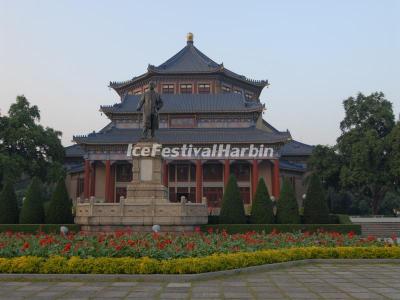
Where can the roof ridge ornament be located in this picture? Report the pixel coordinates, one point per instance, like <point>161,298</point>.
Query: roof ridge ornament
<point>189,38</point>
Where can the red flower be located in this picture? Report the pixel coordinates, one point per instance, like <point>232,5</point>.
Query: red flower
<point>25,246</point>
<point>67,247</point>
<point>190,246</point>
<point>210,230</point>
<point>351,234</point>
<point>197,229</point>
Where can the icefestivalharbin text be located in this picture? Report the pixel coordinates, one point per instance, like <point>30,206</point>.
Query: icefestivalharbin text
<point>213,151</point>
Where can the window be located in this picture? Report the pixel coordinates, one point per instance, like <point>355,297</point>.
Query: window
<point>182,122</point>
<point>168,89</point>
<point>137,92</point>
<point>79,187</point>
<point>120,192</point>
<point>237,91</point>
<point>212,172</point>
<point>124,173</point>
<point>146,89</point>
<point>245,194</point>
<point>182,173</point>
<point>225,89</point>
<point>186,88</point>
<point>204,88</point>
<point>171,169</point>
<point>241,171</point>
<point>213,196</point>
<point>249,95</point>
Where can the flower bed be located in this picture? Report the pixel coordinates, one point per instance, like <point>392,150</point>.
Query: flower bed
<point>216,262</point>
<point>169,246</point>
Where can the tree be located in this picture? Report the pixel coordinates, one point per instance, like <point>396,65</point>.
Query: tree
<point>315,205</point>
<point>60,207</point>
<point>326,162</point>
<point>8,205</point>
<point>232,209</point>
<point>262,208</point>
<point>394,154</point>
<point>287,207</point>
<point>390,203</point>
<point>26,147</point>
<point>363,146</point>
<point>32,211</point>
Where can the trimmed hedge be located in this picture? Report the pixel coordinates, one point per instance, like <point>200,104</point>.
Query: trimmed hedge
<point>267,228</point>
<point>29,228</point>
<point>232,209</point>
<point>262,207</point>
<point>145,265</point>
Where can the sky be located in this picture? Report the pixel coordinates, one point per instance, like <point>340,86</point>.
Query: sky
<point>62,54</point>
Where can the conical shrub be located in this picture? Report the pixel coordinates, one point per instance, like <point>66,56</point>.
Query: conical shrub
<point>232,209</point>
<point>32,211</point>
<point>315,205</point>
<point>8,205</point>
<point>287,207</point>
<point>262,207</point>
<point>60,207</point>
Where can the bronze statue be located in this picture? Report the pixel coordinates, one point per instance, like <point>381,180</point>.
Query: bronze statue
<point>151,103</point>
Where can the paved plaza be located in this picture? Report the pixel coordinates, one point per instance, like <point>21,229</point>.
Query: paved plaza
<point>312,281</point>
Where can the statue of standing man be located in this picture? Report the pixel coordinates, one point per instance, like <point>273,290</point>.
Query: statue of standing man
<point>151,103</point>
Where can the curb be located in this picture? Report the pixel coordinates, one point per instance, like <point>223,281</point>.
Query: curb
<point>189,277</point>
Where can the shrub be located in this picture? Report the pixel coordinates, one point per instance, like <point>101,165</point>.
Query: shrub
<point>315,205</point>
<point>34,228</point>
<point>268,228</point>
<point>287,207</point>
<point>60,207</point>
<point>261,210</point>
<point>32,211</point>
<point>8,205</point>
<point>145,265</point>
<point>232,209</point>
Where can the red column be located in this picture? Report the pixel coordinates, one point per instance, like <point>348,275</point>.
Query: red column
<point>93,180</point>
<point>86,180</point>
<point>226,171</point>
<point>165,173</point>
<point>276,180</point>
<point>199,181</point>
<point>254,180</point>
<point>108,181</point>
<point>112,184</point>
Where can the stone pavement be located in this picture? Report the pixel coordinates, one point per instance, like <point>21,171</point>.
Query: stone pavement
<point>312,281</point>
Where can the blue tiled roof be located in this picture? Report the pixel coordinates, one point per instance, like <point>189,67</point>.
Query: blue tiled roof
<point>295,148</point>
<point>190,103</point>
<point>186,136</point>
<point>291,166</point>
<point>73,151</point>
<point>190,60</point>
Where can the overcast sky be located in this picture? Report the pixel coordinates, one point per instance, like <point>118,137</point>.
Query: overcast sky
<point>62,54</point>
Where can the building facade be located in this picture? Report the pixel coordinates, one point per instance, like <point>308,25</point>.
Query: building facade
<point>205,104</point>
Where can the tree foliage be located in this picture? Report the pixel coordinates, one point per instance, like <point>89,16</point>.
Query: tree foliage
<point>26,147</point>
<point>366,159</point>
<point>287,207</point>
<point>261,210</point>
<point>32,211</point>
<point>232,209</point>
<point>8,204</point>
<point>60,207</point>
<point>315,205</point>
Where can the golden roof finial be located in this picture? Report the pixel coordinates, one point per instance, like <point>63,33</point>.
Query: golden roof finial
<point>189,37</point>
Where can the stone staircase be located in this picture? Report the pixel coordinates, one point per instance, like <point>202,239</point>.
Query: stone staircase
<point>378,226</point>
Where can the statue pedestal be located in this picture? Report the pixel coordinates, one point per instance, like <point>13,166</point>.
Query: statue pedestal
<point>146,186</point>
<point>146,203</point>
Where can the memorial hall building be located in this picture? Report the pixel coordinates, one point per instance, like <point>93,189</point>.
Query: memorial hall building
<point>205,104</point>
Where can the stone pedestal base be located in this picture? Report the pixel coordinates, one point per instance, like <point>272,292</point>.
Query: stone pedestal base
<point>146,203</point>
